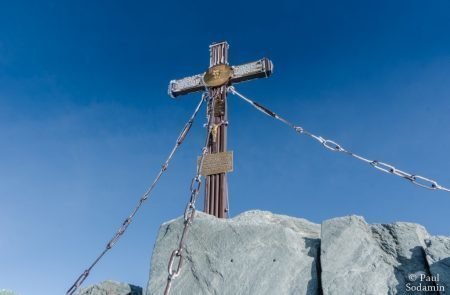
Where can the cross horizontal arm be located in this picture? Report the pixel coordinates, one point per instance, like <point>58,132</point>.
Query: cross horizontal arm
<point>257,69</point>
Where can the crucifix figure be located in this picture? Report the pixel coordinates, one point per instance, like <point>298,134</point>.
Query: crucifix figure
<point>216,80</point>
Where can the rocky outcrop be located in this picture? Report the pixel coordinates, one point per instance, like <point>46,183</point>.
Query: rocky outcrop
<point>358,258</point>
<point>260,253</point>
<point>263,253</point>
<point>111,288</point>
<point>438,257</point>
<point>253,253</point>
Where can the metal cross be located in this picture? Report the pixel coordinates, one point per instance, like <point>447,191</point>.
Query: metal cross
<point>216,80</point>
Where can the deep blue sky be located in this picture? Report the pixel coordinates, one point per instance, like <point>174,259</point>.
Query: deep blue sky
<point>85,121</point>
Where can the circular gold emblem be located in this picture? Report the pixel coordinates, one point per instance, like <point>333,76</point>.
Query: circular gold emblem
<point>217,75</point>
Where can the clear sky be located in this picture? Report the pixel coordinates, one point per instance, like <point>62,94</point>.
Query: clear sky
<point>86,122</point>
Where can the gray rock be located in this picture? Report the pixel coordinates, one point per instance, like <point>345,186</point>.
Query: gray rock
<point>262,253</point>
<point>357,258</point>
<point>253,253</point>
<point>111,288</point>
<point>438,256</point>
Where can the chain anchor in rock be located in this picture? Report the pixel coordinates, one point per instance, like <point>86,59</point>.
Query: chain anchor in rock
<point>188,216</point>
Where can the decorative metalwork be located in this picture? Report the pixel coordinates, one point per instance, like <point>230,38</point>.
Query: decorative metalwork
<point>241,73</point>
<point>217,75</point>
<point>186,85</point>
<point>219,107</point>
<point>257,69</point>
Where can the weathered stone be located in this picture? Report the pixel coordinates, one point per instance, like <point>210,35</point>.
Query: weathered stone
<point>438,256</point>
<point>357,258</point>
<point>253,253</point>
<point>111,288</point>
<point>262,253</point>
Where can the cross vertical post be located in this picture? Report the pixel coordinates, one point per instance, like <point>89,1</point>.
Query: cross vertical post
<point>216,187</point>
<point>217,162</point>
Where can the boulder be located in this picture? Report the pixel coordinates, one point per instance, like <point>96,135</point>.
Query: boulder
<point>260,253</point>
<point>438,256</point>
<point>358,258</point>
<point>254,253</point>
<point>111,288</point>
<point>263,253</point>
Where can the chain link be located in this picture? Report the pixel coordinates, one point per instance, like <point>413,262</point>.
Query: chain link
<point>188,216</point>
<point>335,147</point>
<point>144,197</point>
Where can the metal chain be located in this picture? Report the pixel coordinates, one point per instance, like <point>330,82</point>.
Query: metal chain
<point>335,147</point>
<point>144,197</point>
<point>189,214</point>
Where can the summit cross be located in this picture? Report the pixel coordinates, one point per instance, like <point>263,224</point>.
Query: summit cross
<point>216,79</point>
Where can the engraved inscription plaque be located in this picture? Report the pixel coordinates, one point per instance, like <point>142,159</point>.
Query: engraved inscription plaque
<point>217,163</point>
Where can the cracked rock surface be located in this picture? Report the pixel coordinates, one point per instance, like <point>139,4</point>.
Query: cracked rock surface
<point>438,257</point>
<point>358,258</point>
<point>111,288</point>
<point>254,253</point>
<point>260,253</point>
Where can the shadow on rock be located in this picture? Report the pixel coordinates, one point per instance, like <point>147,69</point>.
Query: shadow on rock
<point>413,274</point>
<point>441,270</point>
<point>315,284</point>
